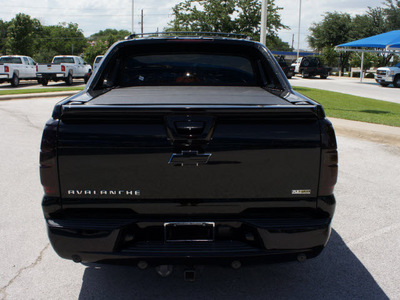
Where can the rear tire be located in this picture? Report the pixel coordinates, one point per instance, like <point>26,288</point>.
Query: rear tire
<point>69,79</point>
<point>44,81</point>
<point>15,81</point>
<point>323,76</point>
<point>384,84</point>
<point>396,81</point>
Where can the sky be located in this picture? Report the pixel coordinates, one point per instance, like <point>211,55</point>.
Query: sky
<point>95,15</point>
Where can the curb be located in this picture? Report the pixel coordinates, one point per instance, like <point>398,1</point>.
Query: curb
<point>38,95</point>
<point>377,133</point>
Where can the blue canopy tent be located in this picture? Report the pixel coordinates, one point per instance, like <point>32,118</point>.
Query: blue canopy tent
<point>388,42</point>
<point>385,41</point>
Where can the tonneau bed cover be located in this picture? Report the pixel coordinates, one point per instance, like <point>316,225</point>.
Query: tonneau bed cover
<point>189,95</point>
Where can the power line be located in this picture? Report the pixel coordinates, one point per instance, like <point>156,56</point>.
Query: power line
<point>104,15</point>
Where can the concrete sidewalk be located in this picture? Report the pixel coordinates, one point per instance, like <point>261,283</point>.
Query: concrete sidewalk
<point>372,132</point>
<point>38,95</point>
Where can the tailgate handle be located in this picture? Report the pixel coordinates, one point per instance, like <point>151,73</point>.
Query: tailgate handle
<point>180,128</point>
<point>189,127</point>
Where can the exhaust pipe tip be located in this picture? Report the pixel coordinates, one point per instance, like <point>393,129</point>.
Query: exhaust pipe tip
<point>142,265</point>
<point>236,264</point>
<point>301,257</point>
<point>76,258</point>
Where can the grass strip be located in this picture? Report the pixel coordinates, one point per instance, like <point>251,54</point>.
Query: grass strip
<point>344,106</point>
<point>40,90</point>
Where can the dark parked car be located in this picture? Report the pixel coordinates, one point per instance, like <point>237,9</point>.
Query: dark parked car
<point>287,69</point>
<point>188,150</point>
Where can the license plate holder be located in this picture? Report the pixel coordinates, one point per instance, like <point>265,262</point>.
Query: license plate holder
<point>189,231</point>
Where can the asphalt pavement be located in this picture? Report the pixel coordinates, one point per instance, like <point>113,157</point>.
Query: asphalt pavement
<point>359,262</point>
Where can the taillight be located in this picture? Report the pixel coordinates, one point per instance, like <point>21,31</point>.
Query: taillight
<point>37,68</point>
<point>329,159</point>
<point>63,68</point>
<point>6,69</point>
<point>48,159</point>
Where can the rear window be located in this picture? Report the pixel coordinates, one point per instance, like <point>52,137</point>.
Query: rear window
<point>98,59</point>
<point>186,62</point>
<point>63,60</point>
<point>186,69</point>
<point>10,60</point>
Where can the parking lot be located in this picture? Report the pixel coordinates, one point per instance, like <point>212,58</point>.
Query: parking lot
<point>360,261</point>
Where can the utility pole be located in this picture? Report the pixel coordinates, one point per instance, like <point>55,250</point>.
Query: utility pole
<point>133,16</point>
<point>141,23</point>
<point>292,41</point>
<point>298,35</point>
<point>263,33</point>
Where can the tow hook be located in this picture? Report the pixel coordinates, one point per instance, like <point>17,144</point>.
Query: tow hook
<point>164,270</point>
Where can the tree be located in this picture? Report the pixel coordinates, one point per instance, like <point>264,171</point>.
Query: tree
<point>329,56</point>
<point>230,16</point>
<point>337,28</point>
<point>3,36</point>
<point>333,30</point>
<point>60,39</point>
<point>22,32</point>
<point>109,35</point>
<point>370,60</point>
<point>392,14</point>
<point>100,42</point>
<point>95,48</point>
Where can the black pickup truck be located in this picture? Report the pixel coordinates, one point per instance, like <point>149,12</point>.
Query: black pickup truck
<point>309,67</point>
<point>188,150</point>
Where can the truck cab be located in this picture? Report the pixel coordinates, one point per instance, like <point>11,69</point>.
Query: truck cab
<point>13,68</point>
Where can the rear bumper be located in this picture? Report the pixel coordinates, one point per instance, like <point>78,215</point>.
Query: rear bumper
<point>315,71</point>
<point>248,240</point>
<point>51,76</point>
<point>4,77</point>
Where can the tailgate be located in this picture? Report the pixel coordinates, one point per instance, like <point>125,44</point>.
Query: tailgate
<point>49,68</point>
<point>172,152</point>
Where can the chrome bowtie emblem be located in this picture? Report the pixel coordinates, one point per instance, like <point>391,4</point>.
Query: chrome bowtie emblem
<point>189,158</point>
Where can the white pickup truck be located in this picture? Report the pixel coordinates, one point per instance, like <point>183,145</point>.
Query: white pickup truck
<point>63,67</point>
<point>97,61</point>
<point>388,75</point>
<point>13,68</point>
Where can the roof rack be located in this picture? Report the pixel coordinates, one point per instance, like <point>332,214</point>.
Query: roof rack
<point>189,34</point>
